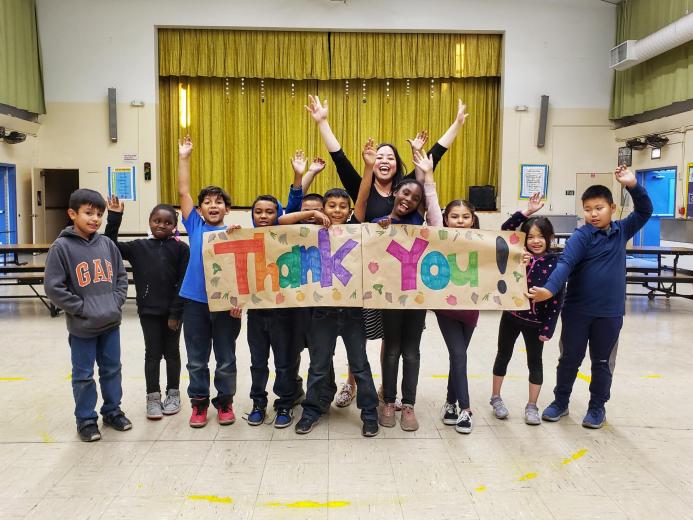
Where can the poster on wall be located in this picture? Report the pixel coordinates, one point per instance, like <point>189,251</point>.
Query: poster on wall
<point>121,182</point>
<point>534,178</point>
<point>689,193</point>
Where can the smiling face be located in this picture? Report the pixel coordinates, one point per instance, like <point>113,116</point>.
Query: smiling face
<point>459,216</point>
<point>385,164</point>
<point>264,213</point>
<point>213,209</point>
<point>162,224</point>
<point>407,199</point>
<point>337,209</point>
<point>310,205</point>
<point>86,221</point>
<point>536,241</point>
<point>598,212</point>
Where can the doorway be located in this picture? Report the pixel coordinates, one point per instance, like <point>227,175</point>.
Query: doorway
<point>51,190</point>
<point>8,204</point>
<point>661,187</point>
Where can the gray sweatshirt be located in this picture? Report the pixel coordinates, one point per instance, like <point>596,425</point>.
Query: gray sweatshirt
<point>86,279</point>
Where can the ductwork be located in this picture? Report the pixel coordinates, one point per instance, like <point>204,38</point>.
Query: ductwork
<point>632,52</point>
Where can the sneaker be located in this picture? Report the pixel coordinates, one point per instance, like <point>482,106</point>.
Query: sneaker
<point>89,432</point>
<point>397,403</point>
<point>386,417</point>
<point>171,404</point>
<point>345,396</point>
<point>408,420</point>
<point>283,418</point>
<point>198,419</point>
<point>225,414</point>
<point>499,409</point>
<point>118,422</point>
<point>532,414</point>
<point>464,422</point>
<point>154,409</point>
<point>449,414</point>
<point>257,415</point>
<point>306,424</point>
<point>594,418</point>
<point>554,412</point>
<point>369,428</point>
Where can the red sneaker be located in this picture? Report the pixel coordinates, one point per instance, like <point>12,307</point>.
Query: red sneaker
<point>198,419</point>
<point>225,414</point>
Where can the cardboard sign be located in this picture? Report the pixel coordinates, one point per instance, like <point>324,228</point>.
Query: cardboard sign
<point>403,266</point>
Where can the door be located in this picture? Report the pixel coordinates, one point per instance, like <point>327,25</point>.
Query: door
<point>584,181</point>
<point>38,206</point>
<point>8,204</point>
<point>661,187</point>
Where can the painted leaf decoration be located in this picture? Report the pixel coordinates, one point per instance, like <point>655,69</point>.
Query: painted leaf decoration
<point>215,296</point>
<point>380,232</point>
<point>404,228</point>
<point>273,235</point>
<point>225,296</point>
<point>393,231</point>
<point>233,300</point>
<point>468,235</point>
<point>388,297</point>
<point>210,238</point>
<point>215,268</point>
<point>351,230</point>
<point>367,295</point>
<point>402,299</point>
<point>222,235</point>
<point>368,230</point>
<point>486,296</point>
<point>475,297</point>
<point>304,232</point>
<point>214,281</point>
<point>497,299</point>
<point>317,297</point>
<point>353,295</point>
<point>255,299</point>
<point>517,276</point>
<point>457,235</point>
<point>282,239</point>
<point>378,287</point>
<point>443,234</point>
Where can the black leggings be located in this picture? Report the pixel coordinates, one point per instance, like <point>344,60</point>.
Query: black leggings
<point>510,328</point>
<point>402,330</point>
<point>160,341</point>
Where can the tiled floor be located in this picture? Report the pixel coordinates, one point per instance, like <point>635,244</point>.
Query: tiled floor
<point>639,466</point>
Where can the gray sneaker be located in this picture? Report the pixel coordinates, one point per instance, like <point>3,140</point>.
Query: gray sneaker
<point>499,409</point>
<point>532,414</point>
<point>154,411</point>
<point>171,404</point>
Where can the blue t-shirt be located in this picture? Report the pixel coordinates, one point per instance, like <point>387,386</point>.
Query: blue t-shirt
<point>193,286</point>
<point>411,218</point>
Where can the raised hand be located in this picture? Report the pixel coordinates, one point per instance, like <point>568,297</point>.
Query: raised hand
<point>425,164</point>
<point>419,141</point>
<point>298,162</point>
<point>115,204</point>
<point>317,165</point>
<point>316,109</point>
<point>461,112</point>
<point>232,228</point>
<point>185,147</point>
<point>534,204</point>
<point>369,152</point>
<point>625,177</point>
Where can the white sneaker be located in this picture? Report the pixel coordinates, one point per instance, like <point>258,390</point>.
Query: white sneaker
<point>171,404</point>
<point>464,422</point>
<point>154,411</point>
<point>448,413</point>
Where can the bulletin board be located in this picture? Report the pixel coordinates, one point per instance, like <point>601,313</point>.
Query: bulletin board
<point>689,191</point>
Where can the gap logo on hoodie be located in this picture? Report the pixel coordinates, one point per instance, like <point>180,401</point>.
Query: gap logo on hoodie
<point>84,276</point>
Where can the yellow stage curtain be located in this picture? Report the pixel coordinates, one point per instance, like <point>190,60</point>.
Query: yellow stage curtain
<point>244,143</point>
<point>378,55</point>
<point>243,54</point>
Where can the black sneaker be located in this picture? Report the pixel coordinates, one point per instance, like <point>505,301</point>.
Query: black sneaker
<point>305,425</point>
<point>369,428</point>
<point>118,422</point>
<point>89,432</point>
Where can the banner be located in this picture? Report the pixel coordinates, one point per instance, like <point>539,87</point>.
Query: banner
<point>403,266</point>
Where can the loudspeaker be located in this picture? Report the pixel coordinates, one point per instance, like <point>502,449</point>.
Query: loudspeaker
<point>483,197</point>
<point>112,120</point>
<point>543,115</point>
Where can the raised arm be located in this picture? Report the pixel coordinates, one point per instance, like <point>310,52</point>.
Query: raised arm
<point>298,164</point>
<point>434,216</point>
<point>113,221</point>
<point>516,219</point>
<point>315,167</point>
<point>417,144</point>
<point>369,154</point>
<point>642,205</point>
<point>450,134</point>
<point>185,147</point>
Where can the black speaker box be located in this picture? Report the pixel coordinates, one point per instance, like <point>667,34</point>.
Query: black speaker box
<point>483,197</point>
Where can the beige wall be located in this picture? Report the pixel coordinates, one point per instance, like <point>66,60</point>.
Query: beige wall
<point>23,157</point>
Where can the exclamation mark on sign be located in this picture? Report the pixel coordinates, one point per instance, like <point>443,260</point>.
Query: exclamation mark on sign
<point>502,252</point>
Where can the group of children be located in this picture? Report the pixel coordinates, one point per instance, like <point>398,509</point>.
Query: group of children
<point>86,278</point>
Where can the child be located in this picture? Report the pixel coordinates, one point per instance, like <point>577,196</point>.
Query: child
<point>205,330</point>
<point>86,278</point>
<point>328,323</point>
<point>402,328</point>
<point>271,328</point>
<point>158,267</point>
<point>594,264</point>
<point>538,322</point>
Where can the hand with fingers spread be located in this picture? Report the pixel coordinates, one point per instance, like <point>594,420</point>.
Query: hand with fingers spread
<point>317,109</point>
<point>462,114</point>
<point>115,204</point>
<point>533,205</point>
<point>424,163</point>
<point>369,153</point>
<point>298,162</point>
<point>317,165</point>
<point>625,177</point>
<point>185,147</point>
<point>419,141</point>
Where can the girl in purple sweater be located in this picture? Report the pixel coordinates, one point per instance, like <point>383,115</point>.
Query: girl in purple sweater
<point>536,324</point>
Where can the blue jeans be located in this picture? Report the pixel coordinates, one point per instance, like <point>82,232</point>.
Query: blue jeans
<point>103,349</point>
<point>602,335</point>
<point>328,324</point>
<point>271,328</point>
<point>203,331</point>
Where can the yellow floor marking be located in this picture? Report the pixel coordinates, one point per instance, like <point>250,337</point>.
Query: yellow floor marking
<point>652,376</point>
<point>584,377</point>
<point>575,456</point>
<point>528,476</point>
<point>309,504</point>
<point>480,489</point>
<point>140,485</point>
<point>46,437</point>
<point>12,379</point>
<point>523,350</point>
<point>211,498</point>
<point>68,377</point>
<point>439,376</point>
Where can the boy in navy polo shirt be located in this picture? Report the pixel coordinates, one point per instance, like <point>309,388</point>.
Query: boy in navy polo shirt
<point>594,264</point>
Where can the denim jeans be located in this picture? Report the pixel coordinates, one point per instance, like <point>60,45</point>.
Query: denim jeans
<point>457,336</point>
<point>329,323</point>
<point>103,349</point>
<point>204,331</point>
<point>602,335</point>
<point>160,341</point>
<point>271,328</point>
<point>402,329</point>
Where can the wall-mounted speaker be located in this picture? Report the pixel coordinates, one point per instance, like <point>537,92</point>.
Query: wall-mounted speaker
<point>543,116</point>
<point>112,120</point>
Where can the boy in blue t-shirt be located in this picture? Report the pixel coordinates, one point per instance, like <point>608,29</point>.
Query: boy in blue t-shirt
<point>205,330</point>
<point>594,264</point>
